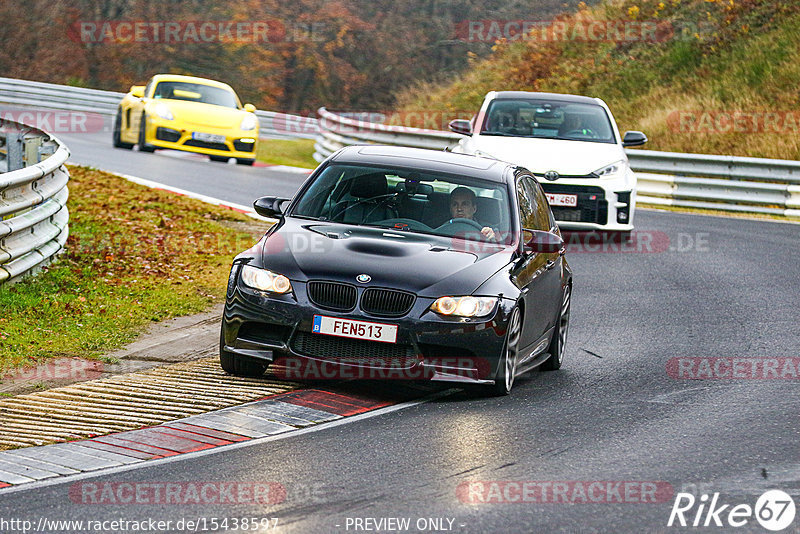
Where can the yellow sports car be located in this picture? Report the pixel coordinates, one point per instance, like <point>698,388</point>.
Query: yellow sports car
<point>187,113</point>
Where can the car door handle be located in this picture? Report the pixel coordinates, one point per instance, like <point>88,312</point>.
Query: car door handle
<point>550,264</point>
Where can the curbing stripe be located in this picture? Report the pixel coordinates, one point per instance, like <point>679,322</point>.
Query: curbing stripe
<point>100,454</point>
<point>12,478</point>
<point>327,401</point>
<point>175,433</point>
<point>162,441</point>
<point>56,454</point>
<point>30,472</point>
<point>92,444</point>
<point>206,431</point>
<point>40,464</point>
<point>113,440</point>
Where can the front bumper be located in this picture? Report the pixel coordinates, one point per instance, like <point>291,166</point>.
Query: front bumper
<point>175,135</point>
<point>600,206</point>
<point>428,347</point>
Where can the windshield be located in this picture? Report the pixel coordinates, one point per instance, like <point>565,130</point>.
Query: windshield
<point>412,201</point>
<point>548,120</point>
<point>195,92</point>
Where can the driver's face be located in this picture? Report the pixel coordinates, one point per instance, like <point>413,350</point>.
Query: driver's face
<point>462,206</point>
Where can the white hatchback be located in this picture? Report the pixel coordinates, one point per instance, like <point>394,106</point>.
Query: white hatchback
<point>573,146</point>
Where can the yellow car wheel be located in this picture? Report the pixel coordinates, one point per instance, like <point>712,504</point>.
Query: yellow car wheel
<point>143,146</point>
<point>117,141</point>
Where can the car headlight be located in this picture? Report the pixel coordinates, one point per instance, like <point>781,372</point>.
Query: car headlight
<point>608,171</point>
<point>163,111</point>
<point>265,280</point>
<point>249,122</point>
<point>464,306</point>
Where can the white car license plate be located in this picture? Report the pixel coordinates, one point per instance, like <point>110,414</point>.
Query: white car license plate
<point>208,138</point>
<point>335,326</point>
<point>570,201</point>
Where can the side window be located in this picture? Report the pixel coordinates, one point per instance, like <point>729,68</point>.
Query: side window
<point>538,210</point>
<point>147,87</point>
<point>527,204</point>
<point>544,215</point>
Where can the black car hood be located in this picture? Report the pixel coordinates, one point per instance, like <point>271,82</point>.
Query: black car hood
<point>426,265</point>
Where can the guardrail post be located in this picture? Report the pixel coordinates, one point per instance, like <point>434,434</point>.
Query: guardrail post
<point>45,151</point>
<point>14,151</point>
<point>31,150</point>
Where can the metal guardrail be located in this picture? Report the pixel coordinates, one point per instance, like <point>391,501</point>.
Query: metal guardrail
<point>728,183</point>
<point>63,97</point>
<point>33,199</point>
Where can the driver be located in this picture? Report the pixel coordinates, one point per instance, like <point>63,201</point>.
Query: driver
<point>573,123</point>
<point>463,205</point>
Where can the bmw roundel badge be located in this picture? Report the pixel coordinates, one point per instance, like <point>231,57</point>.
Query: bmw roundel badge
<point>363,278</point>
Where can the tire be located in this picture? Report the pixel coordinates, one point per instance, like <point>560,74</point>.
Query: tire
<point>559,341</point>
<point>507,368</point>
<point>233,364</point>
<point>116,137</point>
<point>245,161</point>
<point>143,146</point>
<point>221,159</point>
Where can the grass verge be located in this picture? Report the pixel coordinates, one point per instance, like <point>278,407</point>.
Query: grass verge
<point>134,255</point>
<point>293,152</point>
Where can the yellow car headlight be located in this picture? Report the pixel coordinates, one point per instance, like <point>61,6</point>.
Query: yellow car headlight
<point>265,280</point>
<point>163,111</point>
<point>249,122</point>
<point>464,306</point>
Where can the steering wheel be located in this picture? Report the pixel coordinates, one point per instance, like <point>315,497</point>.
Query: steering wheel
<point>583,132</point>
<point>473,225</point>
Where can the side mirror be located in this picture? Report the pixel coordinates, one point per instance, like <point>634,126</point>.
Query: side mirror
<point>460,126</point>
<point>137,91</point>
<point>269,206</point>
<point>634,138</point>
<point>250,107</point>
<point>543,242</point>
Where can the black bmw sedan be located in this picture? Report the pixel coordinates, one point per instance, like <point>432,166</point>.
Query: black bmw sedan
<point>401,263</point>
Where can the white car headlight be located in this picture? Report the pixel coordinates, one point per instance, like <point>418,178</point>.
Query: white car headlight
<point>163,111</point>
<point>249,122</point>
<point>610,170</point>
<point>464,306</point>
<point>265,280</point>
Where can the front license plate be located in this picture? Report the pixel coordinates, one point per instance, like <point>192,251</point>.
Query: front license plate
<point>208,138</point>
<point>335,326</point>
<point>570,201</point>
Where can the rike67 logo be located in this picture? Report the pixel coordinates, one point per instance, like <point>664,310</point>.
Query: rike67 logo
<point>774,510</point>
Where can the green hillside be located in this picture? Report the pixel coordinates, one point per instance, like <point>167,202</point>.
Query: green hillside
<point>706,76</point>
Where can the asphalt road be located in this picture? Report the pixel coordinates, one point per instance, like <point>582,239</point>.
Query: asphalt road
<point>710,288</point>
<point>229,182</point>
